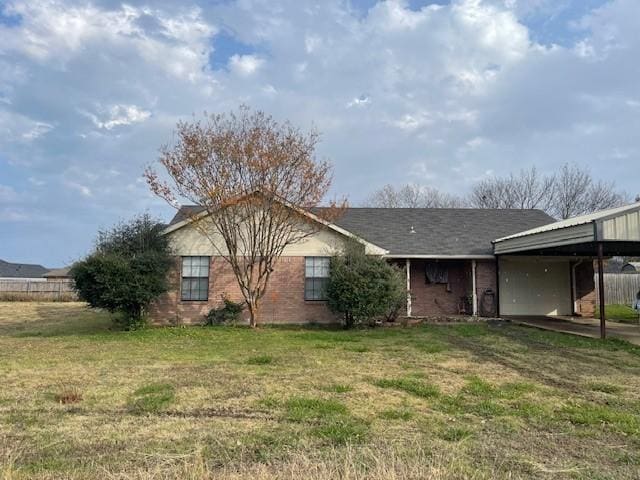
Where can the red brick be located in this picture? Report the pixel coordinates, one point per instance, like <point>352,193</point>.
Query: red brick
<point>282,303</point>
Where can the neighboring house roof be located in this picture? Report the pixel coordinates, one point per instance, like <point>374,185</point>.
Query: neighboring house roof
<point>631,267</point>
<point>21,270</point>
<point>428,232</point>
<point>57,272</point>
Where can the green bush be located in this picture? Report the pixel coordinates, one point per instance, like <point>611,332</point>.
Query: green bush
<point>126,271</point>
<point>363,287</point>
<point>228,313</point>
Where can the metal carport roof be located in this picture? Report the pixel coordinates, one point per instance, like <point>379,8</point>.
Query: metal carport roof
<point>618,228</point>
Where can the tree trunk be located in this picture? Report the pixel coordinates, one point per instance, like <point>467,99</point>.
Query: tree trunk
<point>253,313</point>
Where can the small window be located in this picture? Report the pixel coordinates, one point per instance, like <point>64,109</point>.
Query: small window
<point>195,278</point>
<point>316,277</point>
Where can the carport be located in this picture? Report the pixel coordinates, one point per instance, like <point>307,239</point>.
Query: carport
<point>540,271</point>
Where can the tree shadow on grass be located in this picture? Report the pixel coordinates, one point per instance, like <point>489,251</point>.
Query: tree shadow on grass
<point>52,319</point>
<point>554,359</point>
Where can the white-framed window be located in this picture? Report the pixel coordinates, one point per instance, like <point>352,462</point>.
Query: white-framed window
<point>316,277</point>
<point>195,279</point>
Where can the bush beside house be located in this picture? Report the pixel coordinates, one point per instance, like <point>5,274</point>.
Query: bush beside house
<point>363,288</point>
<point>127,270</point>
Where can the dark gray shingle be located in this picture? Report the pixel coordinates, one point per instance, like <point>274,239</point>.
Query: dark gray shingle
<point>21,270</point>
<point>436,231</point>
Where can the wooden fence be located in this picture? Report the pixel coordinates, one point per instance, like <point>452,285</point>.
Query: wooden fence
<point>60,290</point>
<point>619,288</point>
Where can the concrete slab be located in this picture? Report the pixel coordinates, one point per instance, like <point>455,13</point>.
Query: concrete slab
<point>586,327</point>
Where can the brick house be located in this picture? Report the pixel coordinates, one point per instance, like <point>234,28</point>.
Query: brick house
<point>458,261</point>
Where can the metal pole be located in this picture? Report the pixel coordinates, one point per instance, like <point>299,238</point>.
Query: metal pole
<point>408,287</point>
<point>603,327</point>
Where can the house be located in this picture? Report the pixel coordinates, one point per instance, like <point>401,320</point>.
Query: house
<point>475,261</point>
<point>58,275</point>
<point>21,272</point>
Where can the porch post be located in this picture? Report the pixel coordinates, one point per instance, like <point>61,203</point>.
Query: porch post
<point>603,326</point>
<point>408,287</point>
<point>475,288</point>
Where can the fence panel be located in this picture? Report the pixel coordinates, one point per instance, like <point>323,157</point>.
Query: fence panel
<point>49,290</point>
<point>619,288</point>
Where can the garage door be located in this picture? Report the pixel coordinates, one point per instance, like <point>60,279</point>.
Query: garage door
<point>534,287</point>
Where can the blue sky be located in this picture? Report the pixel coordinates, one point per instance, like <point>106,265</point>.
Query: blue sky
<point>441,93</point>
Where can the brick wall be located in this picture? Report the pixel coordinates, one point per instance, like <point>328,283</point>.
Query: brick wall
<point>485,281</point>
<point>283,303</point>
<point>585,293</point>
<point>439,299</point>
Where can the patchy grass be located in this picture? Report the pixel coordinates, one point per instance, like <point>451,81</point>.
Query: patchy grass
<point>338,388</point>
<point>441,402</point>
<point>413,386</point>
<point>397,414</point>
<point>152,398</point>
<point>621,313</point>
<point>260,360</point>
<point>309,408</point>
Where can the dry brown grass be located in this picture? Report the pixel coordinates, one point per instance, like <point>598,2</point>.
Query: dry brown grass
<point>470,401</point>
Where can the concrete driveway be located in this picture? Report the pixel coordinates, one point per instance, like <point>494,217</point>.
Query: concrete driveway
<point>586,327</point>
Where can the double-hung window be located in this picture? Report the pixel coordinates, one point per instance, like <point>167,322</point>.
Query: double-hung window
<point>195,278</point>
<point>316,277</point>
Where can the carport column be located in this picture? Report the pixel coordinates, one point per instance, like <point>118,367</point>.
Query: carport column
<point>603,327</point>
<point>408,287</point>
<point>474,294</point>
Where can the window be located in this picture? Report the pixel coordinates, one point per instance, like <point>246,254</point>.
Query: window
<point>316,273</point>
<point>195,278</point>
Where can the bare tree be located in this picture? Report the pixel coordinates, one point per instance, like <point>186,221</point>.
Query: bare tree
<point>569,192</point>
<point>528,189</point>
<point>577,193</point>
<point>412,196</point>
<point>255,180</point>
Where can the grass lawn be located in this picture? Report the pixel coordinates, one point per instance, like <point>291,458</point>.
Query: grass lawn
<point>443,402</point>
<point>621,313</point>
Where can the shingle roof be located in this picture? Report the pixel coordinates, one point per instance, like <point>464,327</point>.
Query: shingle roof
<point>57,272</point>
<point>436,231</point>
<point>21,270</point>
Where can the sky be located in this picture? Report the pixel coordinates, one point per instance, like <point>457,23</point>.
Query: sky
<point>440,93</point>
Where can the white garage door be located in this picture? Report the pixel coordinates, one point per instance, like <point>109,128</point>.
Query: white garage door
<point>534,287</point>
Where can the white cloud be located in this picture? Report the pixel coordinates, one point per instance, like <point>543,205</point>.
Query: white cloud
<point>245,65</point>
<point>117,115</point>
<point>88,89</point>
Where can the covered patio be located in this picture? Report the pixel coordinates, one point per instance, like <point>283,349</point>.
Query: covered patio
<point>548,271</point>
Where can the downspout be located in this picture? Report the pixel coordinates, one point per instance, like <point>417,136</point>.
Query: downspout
<point>408,287</point>
<point>574,285</point>
<point>474,287</point>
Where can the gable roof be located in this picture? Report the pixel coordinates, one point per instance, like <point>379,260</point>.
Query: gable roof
<point>57,272</point>
<point>188,212</point>
<point>21,270</point>
<point>437,232</point>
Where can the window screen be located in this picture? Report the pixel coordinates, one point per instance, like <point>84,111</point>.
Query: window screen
<point>195,278</point>
<point>316,277</point>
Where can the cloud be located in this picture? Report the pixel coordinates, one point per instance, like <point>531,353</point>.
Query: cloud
<point>245,65</point>
<point>439,93</point>
<point>117,115</point>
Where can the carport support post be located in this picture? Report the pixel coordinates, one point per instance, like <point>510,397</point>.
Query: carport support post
<point>603,327</point>
<point>408,287</point>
